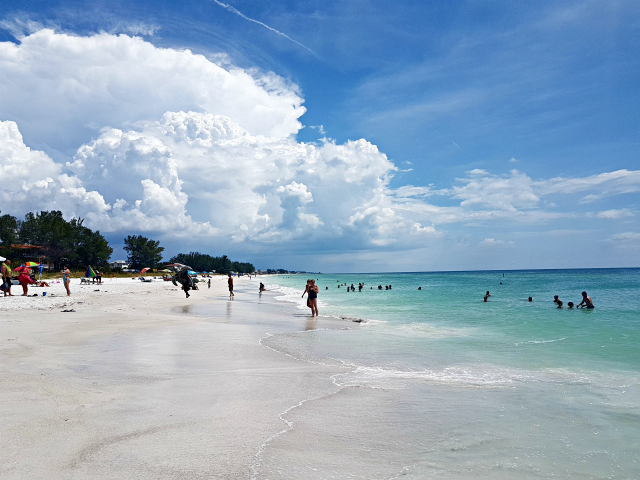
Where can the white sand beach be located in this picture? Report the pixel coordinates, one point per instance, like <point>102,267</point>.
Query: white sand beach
<point>139,382</point>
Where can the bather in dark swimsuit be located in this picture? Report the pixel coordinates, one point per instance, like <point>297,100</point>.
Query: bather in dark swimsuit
<point>312,294</point>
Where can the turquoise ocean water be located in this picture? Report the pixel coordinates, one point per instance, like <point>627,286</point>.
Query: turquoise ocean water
<point>445,385</point>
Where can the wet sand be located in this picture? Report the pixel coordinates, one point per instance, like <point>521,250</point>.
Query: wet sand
<point>140,382</point>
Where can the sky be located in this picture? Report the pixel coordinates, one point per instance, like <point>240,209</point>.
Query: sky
<point>345,136</point>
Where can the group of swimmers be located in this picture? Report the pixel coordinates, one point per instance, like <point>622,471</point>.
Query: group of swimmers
<point>352,288</point>
<point>585,303</point>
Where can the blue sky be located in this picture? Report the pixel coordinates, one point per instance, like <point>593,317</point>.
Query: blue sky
<point>359,136</point>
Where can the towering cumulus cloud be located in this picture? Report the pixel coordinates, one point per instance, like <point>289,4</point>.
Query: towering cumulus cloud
<point>168,141</point>
<point>136,138</point>
<point>61,88</point>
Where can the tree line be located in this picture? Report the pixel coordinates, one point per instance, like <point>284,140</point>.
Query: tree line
<point>64,242</point>
<point>203,262</point>
<point>72,244</point>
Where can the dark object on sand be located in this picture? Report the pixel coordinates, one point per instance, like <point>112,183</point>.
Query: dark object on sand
<point>184,279</point>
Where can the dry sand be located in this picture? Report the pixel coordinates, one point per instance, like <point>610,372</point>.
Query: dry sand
<point>139,382</point>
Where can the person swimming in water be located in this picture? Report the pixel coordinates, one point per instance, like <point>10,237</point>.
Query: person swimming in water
<point>586,301</point>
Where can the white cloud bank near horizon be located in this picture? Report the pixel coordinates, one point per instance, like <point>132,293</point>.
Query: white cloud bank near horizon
<point>168,142</point>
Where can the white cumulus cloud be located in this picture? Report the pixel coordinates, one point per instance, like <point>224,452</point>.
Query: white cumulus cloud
<point>63,87</point>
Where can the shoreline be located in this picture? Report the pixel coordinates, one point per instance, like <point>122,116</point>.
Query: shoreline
<point>139,382</point>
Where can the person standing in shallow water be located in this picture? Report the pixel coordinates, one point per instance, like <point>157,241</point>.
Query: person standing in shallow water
<point>486,297</point>
<point>231,295</point>
<point>313,298</point>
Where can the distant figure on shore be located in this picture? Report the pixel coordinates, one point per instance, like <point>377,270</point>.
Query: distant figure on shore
<point>209,283</point>
<point>262,289</point>
<point>570,305</point>
<point>586,301</point>
<point>6,278</point>
<point>486,297</point>
<point>230,282</point>
<point>531,299</point>
<point>559,302</point>
<point>66,280</point>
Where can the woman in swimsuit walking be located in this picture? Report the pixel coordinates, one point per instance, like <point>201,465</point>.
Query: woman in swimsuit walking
<point>312,302</point>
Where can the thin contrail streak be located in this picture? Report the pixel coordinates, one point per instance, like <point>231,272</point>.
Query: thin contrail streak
<point>237,12</point>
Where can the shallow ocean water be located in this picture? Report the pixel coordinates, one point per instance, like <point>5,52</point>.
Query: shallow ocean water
<point>443,385</point>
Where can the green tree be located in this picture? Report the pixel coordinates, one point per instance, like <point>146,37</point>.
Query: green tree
<point>89,247</point>
<point>52,231</point>
<point>202,262</point>
<point>142,252</point>
<point>65,242</point>
<point>8,230</point>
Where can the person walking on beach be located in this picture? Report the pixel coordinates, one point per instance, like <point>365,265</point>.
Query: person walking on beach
<point>313,297</point>
<point>6,278</point>
<point>209,283</point>
<point>306,290</point>
<point>66,280</point>
<point>586,301</point>
<point>231,295</point>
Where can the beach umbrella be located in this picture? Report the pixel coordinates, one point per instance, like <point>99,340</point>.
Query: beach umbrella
<point>90,272</point>
<point>144,270</point>
<point>32,264</point>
